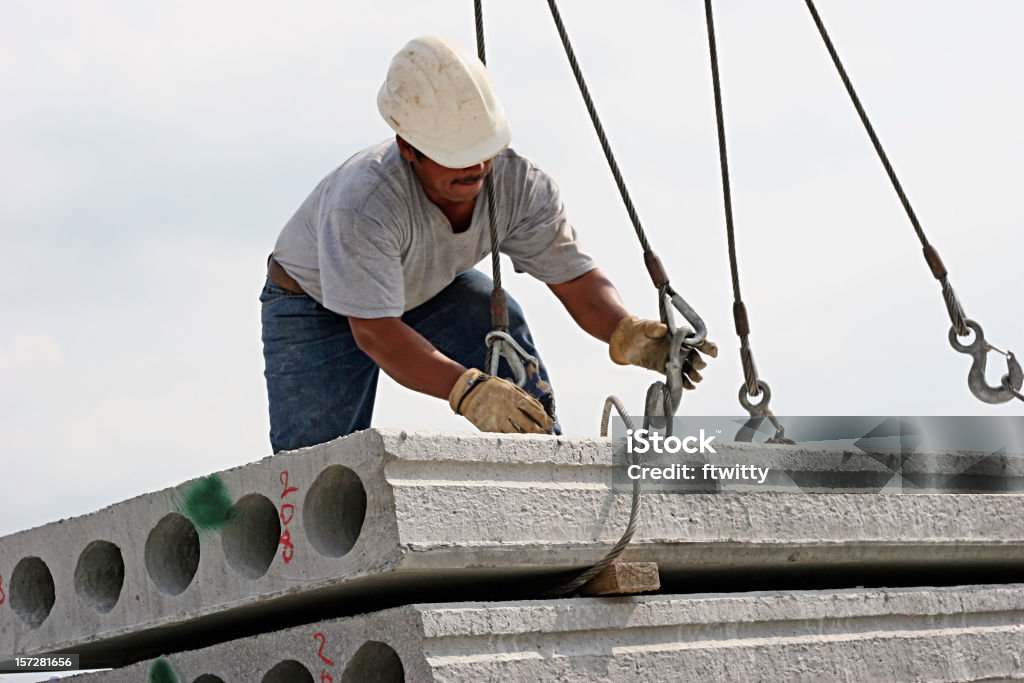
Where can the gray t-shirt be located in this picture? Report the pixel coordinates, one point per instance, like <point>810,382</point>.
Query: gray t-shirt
<point>369,243</point>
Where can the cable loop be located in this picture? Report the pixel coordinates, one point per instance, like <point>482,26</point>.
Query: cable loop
<point>577,582</point>
<point>758,413</point>
<point>699,332</point>
<point>660,407</point>
<point>502,345</point>
<point>749,369</point>
<point>953,307</point>
<point>759,408</point>
<point>684,339</point>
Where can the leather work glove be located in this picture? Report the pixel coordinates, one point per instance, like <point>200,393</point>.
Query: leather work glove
<point>646,344</point>
<point>494,404</point>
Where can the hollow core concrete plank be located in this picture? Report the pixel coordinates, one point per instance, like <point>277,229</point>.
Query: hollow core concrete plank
<point>385,517</point>
<point>934,634</point>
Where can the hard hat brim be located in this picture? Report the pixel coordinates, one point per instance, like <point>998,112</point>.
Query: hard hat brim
<point>439,97</point>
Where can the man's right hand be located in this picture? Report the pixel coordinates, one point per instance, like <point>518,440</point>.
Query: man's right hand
<point>494,404</point>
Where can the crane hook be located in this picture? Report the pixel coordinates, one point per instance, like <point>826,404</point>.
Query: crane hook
<point>978,350</point>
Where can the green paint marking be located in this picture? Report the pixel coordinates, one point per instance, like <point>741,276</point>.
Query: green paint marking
<point>207,504</point>
<point>162,672</point>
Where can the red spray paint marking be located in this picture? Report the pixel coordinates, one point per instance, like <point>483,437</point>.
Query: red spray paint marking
<point>324,676</point>
<point>288,549</point>
<point>285,519</point>
<point>3,596</point>
<point>284,482</point>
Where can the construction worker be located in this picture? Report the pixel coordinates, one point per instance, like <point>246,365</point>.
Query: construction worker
<point>375,269</point>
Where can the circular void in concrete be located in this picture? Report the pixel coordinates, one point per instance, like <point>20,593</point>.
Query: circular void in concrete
<point>172,554</point>
<point>288,671</point>
<point>99,575</point>
<point>209,678</point>
<point>333,511</point>
<point>32,593</point>
<point>251,535</point>
<point>376,662</point>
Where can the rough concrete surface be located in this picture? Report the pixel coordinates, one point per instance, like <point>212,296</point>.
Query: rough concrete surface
<point>963,633</point>
<point>340,527</point>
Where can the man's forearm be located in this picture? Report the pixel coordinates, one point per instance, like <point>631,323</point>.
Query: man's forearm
<point>593,303</point>
<point>406,356</point>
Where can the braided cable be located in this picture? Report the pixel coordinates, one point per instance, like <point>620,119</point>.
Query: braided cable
<point>956,312</point>
<point>478,16</point>
<point>598,128</point>
<point>664,306</point>
<point>577,582</point>
<point>615,402</point>
<point>492,213</point>
<point>961,325</point>
<point>571,587</point>
<point>722,156</point>
<point>499,313</point>
<point>848,84</point>
<point>953,307</point>
<point>749,369</point>
<point>750,378</point>
<point>584,577</point>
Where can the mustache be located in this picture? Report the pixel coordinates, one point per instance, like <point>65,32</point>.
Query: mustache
<point>470,180</point>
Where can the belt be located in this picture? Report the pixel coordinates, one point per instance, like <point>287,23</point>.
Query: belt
<point>281,278</point>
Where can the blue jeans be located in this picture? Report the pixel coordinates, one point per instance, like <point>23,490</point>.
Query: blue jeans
<point>322,386</point>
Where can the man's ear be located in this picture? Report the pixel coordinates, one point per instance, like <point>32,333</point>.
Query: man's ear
<point>405,149</point>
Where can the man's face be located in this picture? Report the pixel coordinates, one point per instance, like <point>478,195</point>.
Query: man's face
<point>447,184</point>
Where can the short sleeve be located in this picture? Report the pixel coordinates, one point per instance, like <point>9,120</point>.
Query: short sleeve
<point>360,266</point>
<point>540,241</point>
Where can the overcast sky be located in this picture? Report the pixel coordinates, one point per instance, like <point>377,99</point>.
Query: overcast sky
<point>151,152</point>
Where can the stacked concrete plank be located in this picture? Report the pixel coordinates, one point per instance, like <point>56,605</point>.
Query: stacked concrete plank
<point>386,518</point>
<point>937,634</point>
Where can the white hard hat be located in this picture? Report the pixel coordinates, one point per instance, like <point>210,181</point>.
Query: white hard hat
<point>439,98</point>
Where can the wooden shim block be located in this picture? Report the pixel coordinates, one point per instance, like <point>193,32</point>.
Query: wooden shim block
<point>624,578</point>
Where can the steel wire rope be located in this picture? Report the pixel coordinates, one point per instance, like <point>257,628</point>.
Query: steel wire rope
<point>953,307</point>
<point>606,147</point>
<point>499,309</point>
<point>582,578</point>
<point>660,281</point>
<point>753,386</point>
<point>961,325</point>
<point>666,294</point>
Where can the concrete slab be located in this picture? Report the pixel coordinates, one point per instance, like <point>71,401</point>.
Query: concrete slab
<point>383,518</point>
<point>945,634</point>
